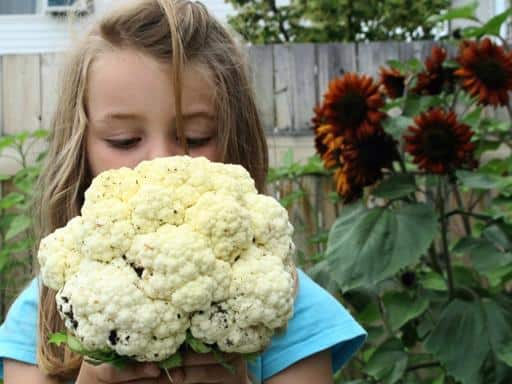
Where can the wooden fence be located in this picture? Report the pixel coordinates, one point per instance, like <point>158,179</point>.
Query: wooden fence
<point>289,80</point>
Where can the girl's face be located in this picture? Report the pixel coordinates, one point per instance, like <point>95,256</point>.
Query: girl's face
<point>131,112</point>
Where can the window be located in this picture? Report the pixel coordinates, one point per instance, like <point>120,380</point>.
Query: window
<point>60,3</point>
<point>18,7</point>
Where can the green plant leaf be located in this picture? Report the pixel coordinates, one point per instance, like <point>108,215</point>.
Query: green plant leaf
<point>475,180</point>
<point>394,186</point>
<point>397,64</point>
<point>289,199</point>
<point>401,308</point>
<point>6,141</point>
<point>492,27</point>
<point>58,338</point>
<point>433,281</point>
<point>415,104</point>
<point>498,314</point>
<point>172,362</point>
<point>18,224</point>
<point>473,118</point>
<point>197,345</point>
<point>486,258</point>
<point>460,340</point>
<point>322,274</point>
<point>388,362</point>
<point>368,245</point>
<point>40,134</point>
<point>467,12</point>
<point>11,199</point>
<point>396,126</point>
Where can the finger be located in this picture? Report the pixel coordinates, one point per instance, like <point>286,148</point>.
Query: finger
<point>210,374</point>
<point>193,358</point>
<point>109,374</point>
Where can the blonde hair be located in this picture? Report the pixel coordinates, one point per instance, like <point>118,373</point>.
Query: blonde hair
<point>180,31</point>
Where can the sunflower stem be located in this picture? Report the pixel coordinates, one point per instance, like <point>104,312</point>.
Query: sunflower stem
<point>460,204</point>
<point>434,259</point>
<point>444,236</point>
<point>455,97</point>
<point>384,317</point>
<point>478,216</point>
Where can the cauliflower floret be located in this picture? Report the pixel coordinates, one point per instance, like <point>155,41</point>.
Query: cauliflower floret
<point>260,301</point>
<point>272,230</point>
<point>261,290</point>
<point>154,206</point>
<point>106,309</point>
<point>168,172</point>
<point>232,179</point>
<point>108,229</point>
<point>217,325</point>
<point>121,183</point>
<point>174,260</point>
<point>224,222</point>
<point>60,253</point>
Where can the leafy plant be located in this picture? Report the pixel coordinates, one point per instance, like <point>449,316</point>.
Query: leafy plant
<point>16,259</point>
<point>421,250</point>
<point>264,21</point>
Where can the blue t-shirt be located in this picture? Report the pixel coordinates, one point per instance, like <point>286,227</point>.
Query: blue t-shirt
<point>319,322</point>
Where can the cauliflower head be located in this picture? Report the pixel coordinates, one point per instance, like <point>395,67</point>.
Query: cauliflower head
<point>174,246</point>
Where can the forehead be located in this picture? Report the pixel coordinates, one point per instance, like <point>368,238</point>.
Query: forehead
<point>130,81</point>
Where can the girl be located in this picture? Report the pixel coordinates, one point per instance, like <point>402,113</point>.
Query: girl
<point>160,78</point>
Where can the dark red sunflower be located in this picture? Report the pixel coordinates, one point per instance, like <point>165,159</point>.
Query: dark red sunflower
<point>439,143</point>
<point>352,104</point>
<point>328,146</point>
<point>363,160</point>
<point>393,81</point>
<point>435,78</point>
<point>348,191</point>
<point>486,71</point>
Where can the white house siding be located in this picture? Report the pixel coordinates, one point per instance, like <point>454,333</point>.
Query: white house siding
<point>23,34</point>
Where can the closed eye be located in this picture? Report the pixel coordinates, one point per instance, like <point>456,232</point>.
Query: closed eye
<point>197,142</point>
<point>123,143</point>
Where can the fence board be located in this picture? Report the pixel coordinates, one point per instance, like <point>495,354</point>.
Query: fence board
<point>49,86</point>
<point>295,87</point>
<point>262,71</point>
<point>333,60</point>
<point>372,56</point>
<point>304,85</point>
<point>415,50</point>
<point>282,90</point>
<point>21,93</point>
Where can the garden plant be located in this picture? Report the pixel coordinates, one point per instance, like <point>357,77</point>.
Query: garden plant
<point>421,246</point>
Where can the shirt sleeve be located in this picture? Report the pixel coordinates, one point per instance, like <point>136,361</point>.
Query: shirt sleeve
<point>319,322</point>
<point>18,333</point>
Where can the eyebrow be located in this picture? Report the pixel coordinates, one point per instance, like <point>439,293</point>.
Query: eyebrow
<point>135,116</point>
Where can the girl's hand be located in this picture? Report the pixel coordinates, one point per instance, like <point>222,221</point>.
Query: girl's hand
<point>134,374</point>
<point>204,368</point>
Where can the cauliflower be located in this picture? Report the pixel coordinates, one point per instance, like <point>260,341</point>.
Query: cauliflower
<point>175,247</point>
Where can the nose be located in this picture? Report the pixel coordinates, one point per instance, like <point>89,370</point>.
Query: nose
<point>164,147</point>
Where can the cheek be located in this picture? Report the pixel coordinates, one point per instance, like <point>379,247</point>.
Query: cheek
<point>211,152</point>
<point>101,157</point>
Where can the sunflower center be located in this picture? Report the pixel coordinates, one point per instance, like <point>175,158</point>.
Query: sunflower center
<point>439,143</point>
<point>490,72</point>
<point>376,152</point>
<point>397,85</point>
<point>351,108</point>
